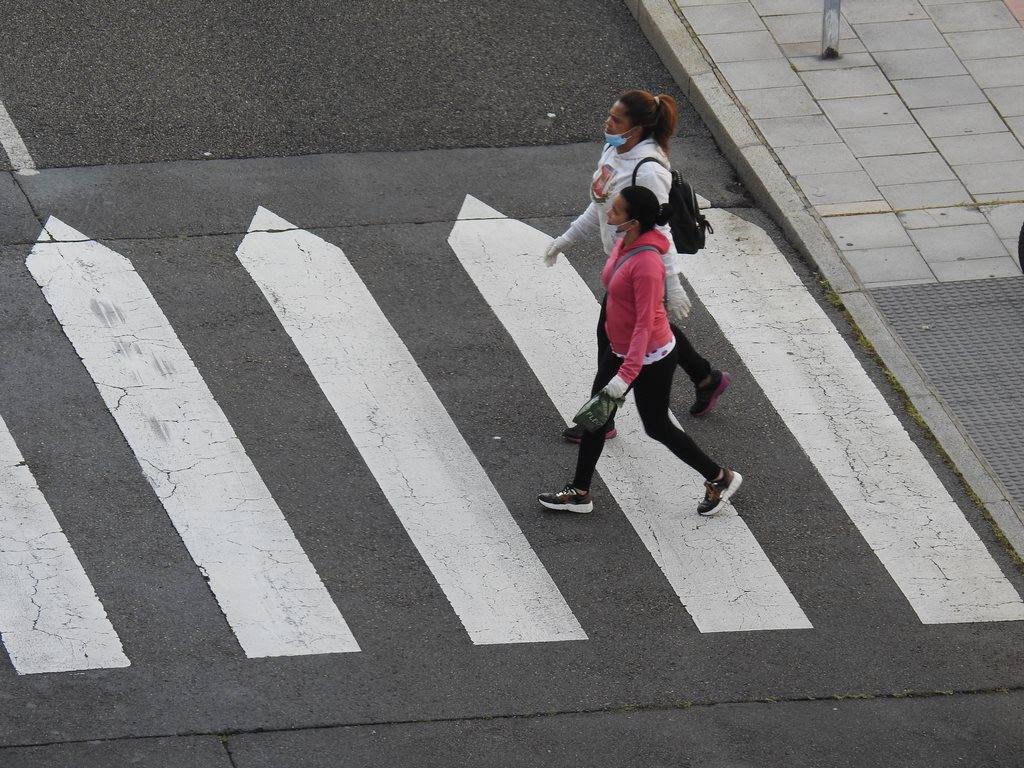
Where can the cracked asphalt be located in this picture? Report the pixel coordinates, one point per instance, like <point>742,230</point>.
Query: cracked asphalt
<point>368,123</point>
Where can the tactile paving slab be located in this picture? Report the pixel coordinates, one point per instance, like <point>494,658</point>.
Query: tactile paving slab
<point>969,339</point>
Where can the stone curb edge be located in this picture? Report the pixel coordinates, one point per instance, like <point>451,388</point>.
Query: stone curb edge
<point>663,25</point>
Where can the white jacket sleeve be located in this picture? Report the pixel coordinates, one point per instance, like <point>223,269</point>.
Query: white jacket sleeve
<point>586,224</point>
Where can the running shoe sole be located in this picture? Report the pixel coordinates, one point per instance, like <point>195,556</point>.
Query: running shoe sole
<point>737,481</point>
<point>723,385</point>
<point>581,509</point>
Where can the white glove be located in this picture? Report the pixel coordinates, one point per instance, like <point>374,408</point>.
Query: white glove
<point>677,301</point>
<point>616,388</point>
<point>551,254</point>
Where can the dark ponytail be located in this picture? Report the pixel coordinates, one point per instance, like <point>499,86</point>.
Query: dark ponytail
<point>657,114</point>
<point>642,205</point>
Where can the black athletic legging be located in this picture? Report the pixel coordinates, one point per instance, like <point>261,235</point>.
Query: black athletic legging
<point>651,389</point>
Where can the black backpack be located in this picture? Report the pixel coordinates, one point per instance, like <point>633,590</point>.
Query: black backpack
<point>689,227</point>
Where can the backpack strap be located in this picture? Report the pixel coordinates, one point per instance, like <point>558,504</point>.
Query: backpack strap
<point>646,160</point>
<point>629,255</point>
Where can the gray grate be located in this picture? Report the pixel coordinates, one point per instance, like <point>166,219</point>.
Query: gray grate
<point>969,339</point>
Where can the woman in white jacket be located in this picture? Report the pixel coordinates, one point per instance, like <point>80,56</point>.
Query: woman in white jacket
<point>640,125</point>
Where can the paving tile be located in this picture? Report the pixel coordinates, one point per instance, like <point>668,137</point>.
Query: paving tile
<point>1006,220</point>
<point>856,208</point>
<point>846,83</point>
<point>988,178</point>
<point>982,148</point>
<point>996,73</point>
<point>801,161</point>
<point>779,102</point>
<point>857,233</point>
<point>993,44</point>
<point>899,35</point>
<point>830,188</point>
<point>887,265</point>
<point>866,110</point>
<point>866,11</point>
<point>896,283</point>
<point>975,269</point>
<point>1009,101</point>
<point>924,62</point>
<point>845,61</point>
<point>969,241</point>
<point>797,131</point>
<point>713,19</point>
<point>769,73</point>
<point>741,46</point>
<point>802,28</point>
<point>907,169</point>
<point>929,3</point>
<point>1013,248</point>
<point>1017,126</point>
<point>685,3</point>
<point>780,7</point>
<point>939,91</point>
<point>929,218</point>
<point>956,121</point>
<point>966,17</point>
<point>886,140</point>
<point>998,198</point>
<point>846,47</point>
<point>926,194</point>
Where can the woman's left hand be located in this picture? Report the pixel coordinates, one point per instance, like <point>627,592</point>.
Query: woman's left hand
<point>616,388</point>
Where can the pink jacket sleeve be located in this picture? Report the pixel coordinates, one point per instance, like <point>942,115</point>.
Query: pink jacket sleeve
<point>648,280</point>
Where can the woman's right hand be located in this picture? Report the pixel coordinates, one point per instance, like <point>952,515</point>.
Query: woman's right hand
<point>551,254</point>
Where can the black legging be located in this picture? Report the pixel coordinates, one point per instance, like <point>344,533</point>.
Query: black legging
<point>651,390</point>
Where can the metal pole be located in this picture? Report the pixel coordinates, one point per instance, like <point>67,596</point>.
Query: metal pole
<point>830,30</point>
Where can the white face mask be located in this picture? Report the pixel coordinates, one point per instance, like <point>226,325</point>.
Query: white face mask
<point>624,227</point>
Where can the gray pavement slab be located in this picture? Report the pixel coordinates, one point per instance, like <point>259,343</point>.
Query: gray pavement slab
<point>170,752</point>
<point>818,158</point>
<point>976,269</point>
<point>967,241</point>
<point>802,28</point>
<point>927,194</point>
<point>782,7</point>
<point>764,74</point>
<point>779,102</point>
<point>921,733</point>
<point>795,50</point>
<point>784,132</point>
<point>907,169</point>
<point>959,120</point>
<point>939,91</point>
<point>882,230</point>
<point>929,218</point>
<point>995,73</point>
<point>991,44</point>
<point>889,265</point>
<point>866,111</point>
<point>1006,220</point>
<point>899,35</point>
<point>886,140</point>
<point>741,46</point>
<point>866,11</point>
<point>1009,100</point>
<point>846,83</point>
<point>712,19</point>
<point>831,188</point>
<point>988,178</point>
<point>925,62</point>
<point>846,61</point>
<point>981,148</point>
<point>967,17</point>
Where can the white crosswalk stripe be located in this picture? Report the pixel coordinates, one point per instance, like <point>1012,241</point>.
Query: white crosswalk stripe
<point>715,565</point>
<point>268,590</point>
<point>50,617</point>
<point>846,428</point>
<point>432,480</point>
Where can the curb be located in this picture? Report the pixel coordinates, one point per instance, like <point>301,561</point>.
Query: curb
<point>740,142</point>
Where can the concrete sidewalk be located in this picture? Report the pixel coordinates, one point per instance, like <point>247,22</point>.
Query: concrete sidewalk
<point>899,170</point>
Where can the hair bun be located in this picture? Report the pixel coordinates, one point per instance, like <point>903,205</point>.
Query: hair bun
<point>665,212</point>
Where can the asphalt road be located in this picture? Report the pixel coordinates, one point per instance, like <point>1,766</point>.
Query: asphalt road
<point>128,85</point>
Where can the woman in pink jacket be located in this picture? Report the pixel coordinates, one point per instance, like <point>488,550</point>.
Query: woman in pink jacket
<point>642,355</point>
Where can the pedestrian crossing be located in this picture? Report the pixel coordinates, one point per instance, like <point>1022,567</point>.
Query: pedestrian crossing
<point>268,590</point>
